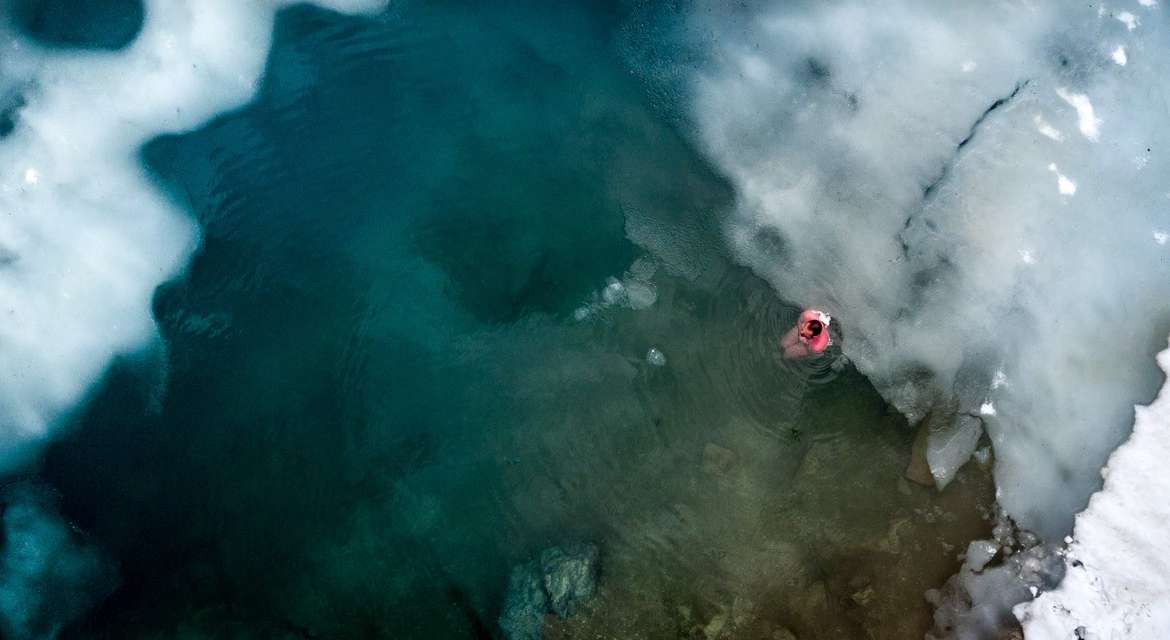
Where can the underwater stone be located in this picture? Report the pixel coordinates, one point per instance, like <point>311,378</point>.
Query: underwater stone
<point>643,269</point>
<point>656,357</point>
<point>614,292</point>
<point>560,581</point>
<point>715,626</point>
<point>50,574</point>
<point>640,295</point>
<point>570,576</point>
<point>863,596</point>
<point>525,604</point>
<point>918,470</point>
<point>717,460</point>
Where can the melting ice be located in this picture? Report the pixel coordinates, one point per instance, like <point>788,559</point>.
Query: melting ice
<point>85,238</point>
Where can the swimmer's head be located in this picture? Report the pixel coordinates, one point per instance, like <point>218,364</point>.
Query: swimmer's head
<point>813,329</point>
<point>810,329</point>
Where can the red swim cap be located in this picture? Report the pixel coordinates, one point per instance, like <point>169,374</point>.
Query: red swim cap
<point>821,341</point>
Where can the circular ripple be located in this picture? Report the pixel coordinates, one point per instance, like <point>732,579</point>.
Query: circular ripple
<point>748,368</point>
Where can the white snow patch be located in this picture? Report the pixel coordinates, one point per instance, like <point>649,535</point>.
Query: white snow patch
<point>1128,19</point>
<point>987,409</point>
<point>1087,120</point>
<point>1161,237</point>
<point>1047,129</point>
<point>1118,580</point>
<point>969,66</point>
<point>1064,185</point>
<point>1148,3</point>
<point>1118,55</point>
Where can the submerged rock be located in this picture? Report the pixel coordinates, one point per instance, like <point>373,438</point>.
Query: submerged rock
<point>640,295</point>
<point>717,460</point>
<point>635,291</point>
<point>614,292</point>
<point>525,604</point>
<point>559,582</point>
<point>918,470</point>
<point>570,576</point>
<point>714,628</point>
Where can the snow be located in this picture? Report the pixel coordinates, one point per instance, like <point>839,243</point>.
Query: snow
<point>1129,20</point>
<point>1047,129</point>
<point>1087,120</point>
<point>1065,186</point>
<point>1118,579</point>
<point>1118,55</point>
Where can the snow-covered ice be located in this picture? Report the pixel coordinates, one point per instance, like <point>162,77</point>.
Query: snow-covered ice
<point>958,221</point>
<point>1118,579</point>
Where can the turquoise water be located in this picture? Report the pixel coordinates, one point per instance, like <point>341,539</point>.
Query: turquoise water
<point>390,374</point>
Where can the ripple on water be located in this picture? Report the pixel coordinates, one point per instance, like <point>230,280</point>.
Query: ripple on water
<point>748,368</point>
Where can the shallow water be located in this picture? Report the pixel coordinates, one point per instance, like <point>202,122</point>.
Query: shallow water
<point>392,371</point>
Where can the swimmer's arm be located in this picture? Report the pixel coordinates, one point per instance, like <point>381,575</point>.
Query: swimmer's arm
<point>791,339</point>
<point>794,347</point>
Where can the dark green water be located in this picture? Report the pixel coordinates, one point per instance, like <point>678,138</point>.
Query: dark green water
<point>375,398</point>
<point>92,24</point>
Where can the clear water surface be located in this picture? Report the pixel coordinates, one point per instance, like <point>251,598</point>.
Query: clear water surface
<point>393,371</point>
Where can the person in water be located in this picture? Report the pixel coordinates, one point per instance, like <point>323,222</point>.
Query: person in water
<point>809,337</point>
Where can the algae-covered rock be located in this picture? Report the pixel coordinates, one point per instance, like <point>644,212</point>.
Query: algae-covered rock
<point>560,581</point>
<point>570,576</point>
